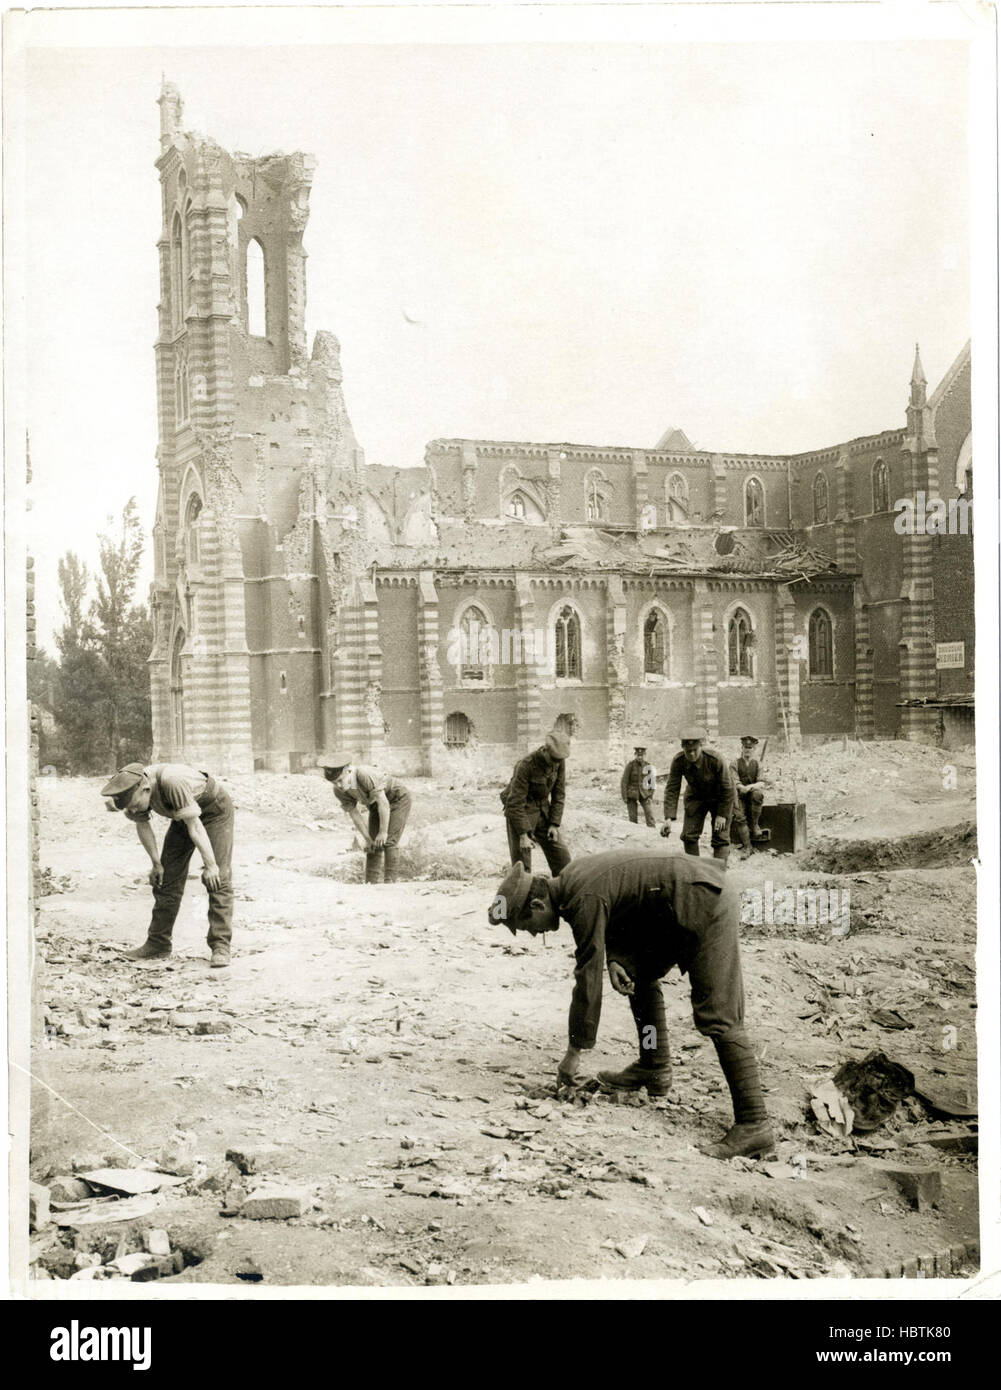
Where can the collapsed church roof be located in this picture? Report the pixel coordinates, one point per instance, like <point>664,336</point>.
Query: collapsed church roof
<point>582,549</point>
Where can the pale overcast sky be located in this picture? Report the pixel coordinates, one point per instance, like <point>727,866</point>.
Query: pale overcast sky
<point>599,241</point>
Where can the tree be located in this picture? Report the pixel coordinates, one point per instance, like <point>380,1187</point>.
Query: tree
<point>101,698</point>
<point>124,636</point>
<point>80,686</point>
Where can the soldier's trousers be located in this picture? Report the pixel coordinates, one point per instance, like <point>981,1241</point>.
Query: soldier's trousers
<point>557,854</point>
<point>376,859</point>
<point>747,807</point>
<point>695,815</point>
<point>717,993</point>
<point>633,804</point>
<point>175,856</point>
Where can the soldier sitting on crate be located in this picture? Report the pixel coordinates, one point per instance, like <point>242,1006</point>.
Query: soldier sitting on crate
<point>746,773</point>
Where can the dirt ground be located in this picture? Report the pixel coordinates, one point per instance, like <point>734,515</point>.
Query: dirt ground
<point>395,1055</point>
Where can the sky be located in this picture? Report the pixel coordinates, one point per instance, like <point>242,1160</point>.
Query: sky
<point>598,241</point>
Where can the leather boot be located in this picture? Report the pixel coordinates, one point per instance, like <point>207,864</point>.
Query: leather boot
<point>373,867</point>
<point>745,1141</point>
<point>656,1080</point>
<point>722,853</point>
<point>149,950</point>
<point>392,855</point>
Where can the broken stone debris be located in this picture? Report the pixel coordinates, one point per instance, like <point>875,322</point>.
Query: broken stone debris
<point>921,1186</point>
<point>252,1158</point>
<point>38,1206</point>
<point>276,1203</point>
<point>131,1181</point>
<point>178,1155</point>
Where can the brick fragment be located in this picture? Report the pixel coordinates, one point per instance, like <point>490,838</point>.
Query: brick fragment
<point>275,1203</point>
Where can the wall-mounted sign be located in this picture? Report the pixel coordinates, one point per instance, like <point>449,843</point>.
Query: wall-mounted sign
<point>950,656</point>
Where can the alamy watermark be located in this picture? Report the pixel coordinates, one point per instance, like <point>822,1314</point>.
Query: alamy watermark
<point>921,515</point>
<point>797,907</point>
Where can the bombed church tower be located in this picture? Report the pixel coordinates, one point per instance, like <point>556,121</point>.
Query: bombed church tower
<point>257,513</point>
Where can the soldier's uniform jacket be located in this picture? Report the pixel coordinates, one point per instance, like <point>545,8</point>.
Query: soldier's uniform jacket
<point>638,781</point>
<point>709,781</point>
<point>644,908</point>
<point>535,793</point>
<point>177,791</point>
<point>745,771</point>
<point>367,784</point>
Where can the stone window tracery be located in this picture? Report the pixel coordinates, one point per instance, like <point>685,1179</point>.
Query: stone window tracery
<point>821,644</point>
<point>568,644</point>
<point>880,487</point>
<point>820,500</point>
<point>754,503</point>
<point>740,644</point>
<point>656,644</point>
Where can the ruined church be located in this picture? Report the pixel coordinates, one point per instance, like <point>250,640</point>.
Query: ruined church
<point>304,598</point>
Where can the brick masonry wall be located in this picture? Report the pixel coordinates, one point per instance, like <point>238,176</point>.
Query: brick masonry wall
<point>952,568</point>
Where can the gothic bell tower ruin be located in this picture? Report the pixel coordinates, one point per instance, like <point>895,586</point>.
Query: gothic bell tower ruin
<point>257,510</point>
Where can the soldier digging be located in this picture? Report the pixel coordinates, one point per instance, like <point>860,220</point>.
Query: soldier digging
<point>388,803</point>
<point>533,804</point>
<point>638,784</point>
<point>646,911</point>
<point>201,817</point>
<point>710,792</point>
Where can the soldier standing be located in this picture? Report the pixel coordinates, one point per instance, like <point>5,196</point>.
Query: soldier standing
<point>388,804</point>
<point>749,793</point>
<point>639,781</point>
<point>710,792</point>
<point>533,804</point>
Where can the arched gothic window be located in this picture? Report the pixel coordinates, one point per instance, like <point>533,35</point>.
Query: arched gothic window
<point>257,318</point>
<point>754,503</point>
<point>880,487</point>
<point>567,634</point>
<point>821,643</point>
<point>820,500</point>
<point>596,496</point>
<point>185,260</point>
<point>176,274</point>
<point>191,514</point>
<point>474,635</point>
<point>516,506</point>
<point>656,644</point>
<point>182,407</point>
<point>740,644</point>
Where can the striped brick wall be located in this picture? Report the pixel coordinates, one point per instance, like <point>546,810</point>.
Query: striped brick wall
<point>641,486</point>
<point>786,665</point>
<point>432,699</point>
<point>845,554</point>
<point>705,660</point>
<point>617,669</point>
<point>865,720</point>
<point>529,723</point>
<point>358,674</point>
